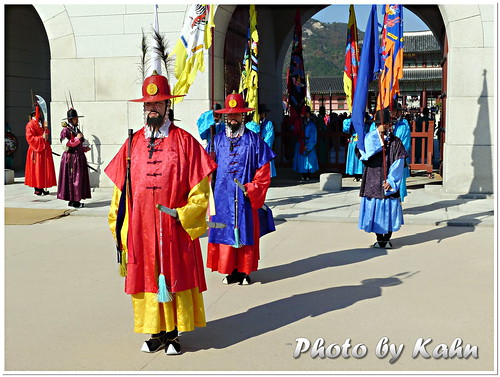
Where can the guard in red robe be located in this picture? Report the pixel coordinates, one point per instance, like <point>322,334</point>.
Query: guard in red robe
<point>168,166</point>
<point>242,155</point>
<point>39,169</point>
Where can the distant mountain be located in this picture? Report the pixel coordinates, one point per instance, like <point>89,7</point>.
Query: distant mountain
<point>323,48</point>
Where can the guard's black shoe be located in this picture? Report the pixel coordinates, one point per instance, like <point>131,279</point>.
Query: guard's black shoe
<point>380,245</point>
<point>173,346</point>
<point>155,343</point>
<point>245,280</point>
<point>38,192</point>
<point>78,205</point>
<point>70,203</point>
<point>235,277</point>
<point>45,192</point>
<point>230,279</point>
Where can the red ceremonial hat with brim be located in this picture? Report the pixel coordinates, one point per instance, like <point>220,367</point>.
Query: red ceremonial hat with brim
<point>155,88</point>
<point>234,103</point>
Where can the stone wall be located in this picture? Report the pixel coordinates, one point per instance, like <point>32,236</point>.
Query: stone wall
<point>470,118</point>
<point>95,54</point>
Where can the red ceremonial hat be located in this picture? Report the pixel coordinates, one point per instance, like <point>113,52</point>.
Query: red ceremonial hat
<point>155,88</point>
<point>234,103</point>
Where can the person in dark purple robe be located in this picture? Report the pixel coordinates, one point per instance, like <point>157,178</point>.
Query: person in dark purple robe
<point>74,180</point>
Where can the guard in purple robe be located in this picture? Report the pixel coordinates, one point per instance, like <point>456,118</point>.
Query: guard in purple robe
<point>380,210</point>
<point>74,181</point>
<point>242,155</point>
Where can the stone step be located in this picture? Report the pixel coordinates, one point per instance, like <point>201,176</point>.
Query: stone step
<point>330,182</point>
<point>9,176</point>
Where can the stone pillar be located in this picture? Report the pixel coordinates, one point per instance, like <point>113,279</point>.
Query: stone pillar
<point>470,101</point>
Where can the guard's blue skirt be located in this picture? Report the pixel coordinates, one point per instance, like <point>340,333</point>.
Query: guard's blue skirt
<point>380,215</point>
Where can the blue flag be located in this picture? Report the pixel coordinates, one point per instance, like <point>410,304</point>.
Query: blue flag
<point>369,66</point>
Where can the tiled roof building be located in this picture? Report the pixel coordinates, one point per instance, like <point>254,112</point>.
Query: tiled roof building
<point>422,75</point>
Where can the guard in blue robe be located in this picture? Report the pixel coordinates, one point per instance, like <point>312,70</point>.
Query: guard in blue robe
<point>243,155</point>
<point>401,129</point>
<point>380,210</point>
<point>248,154</point>
<point>353,165</point>
<point>305,160</point>
<point>210,123</point>
<point>265,129</point>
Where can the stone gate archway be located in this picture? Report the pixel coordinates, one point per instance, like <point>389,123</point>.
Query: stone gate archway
<point>468,33</point>
<point>27,67</point>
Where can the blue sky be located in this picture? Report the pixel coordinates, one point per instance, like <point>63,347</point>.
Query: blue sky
<point>340,13</point>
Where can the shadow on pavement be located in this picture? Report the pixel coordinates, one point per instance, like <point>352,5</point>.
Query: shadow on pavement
<point>471,219</point>
<point>294,199</point>
<point>228,331</point>
<point>102,203</point>
<point>437,205</point>
<point>436,234</point>
<point>294,215</point>
<point>315,263</point>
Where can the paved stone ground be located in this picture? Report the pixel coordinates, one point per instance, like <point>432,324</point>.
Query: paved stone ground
<point>65,310</point>
<point>291,200</point>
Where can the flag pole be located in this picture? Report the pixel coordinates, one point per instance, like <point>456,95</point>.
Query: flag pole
<point>212,58</point>
<point>382,121</point>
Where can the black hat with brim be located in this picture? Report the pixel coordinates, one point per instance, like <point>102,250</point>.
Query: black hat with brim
<point>386,115</point>
<point>263,108</point>
<point>72,114</point>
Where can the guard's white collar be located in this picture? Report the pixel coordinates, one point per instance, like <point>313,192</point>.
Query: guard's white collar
<point>238,133</point>
<point>162,132</point>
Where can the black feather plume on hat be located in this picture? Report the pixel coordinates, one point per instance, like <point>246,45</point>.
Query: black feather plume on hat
<point>144,57</point>
<point>161,48</point>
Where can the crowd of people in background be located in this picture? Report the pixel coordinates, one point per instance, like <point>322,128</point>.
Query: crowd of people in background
<point>336,139</point>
